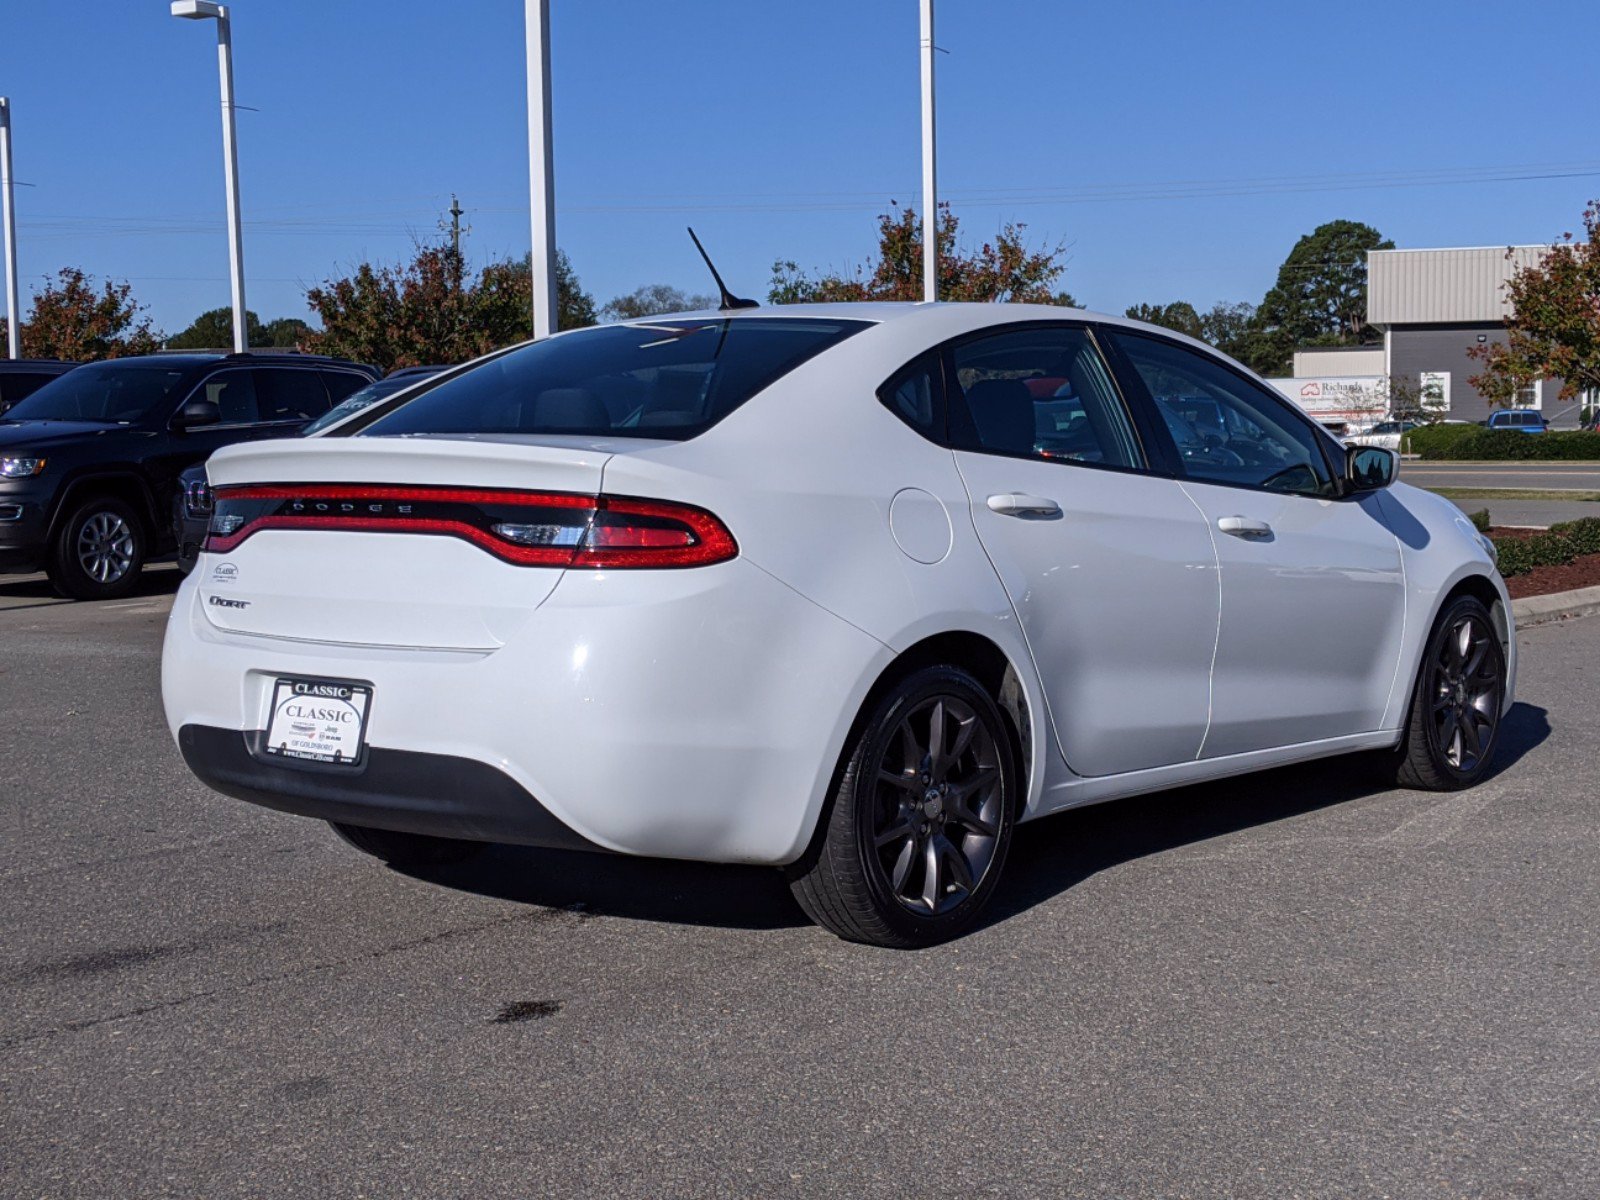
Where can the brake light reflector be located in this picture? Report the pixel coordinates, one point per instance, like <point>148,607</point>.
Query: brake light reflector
<point>530,529</point>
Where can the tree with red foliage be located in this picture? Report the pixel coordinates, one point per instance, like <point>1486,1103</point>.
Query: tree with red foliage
<point>1002,270</point>
<point>71,319</point>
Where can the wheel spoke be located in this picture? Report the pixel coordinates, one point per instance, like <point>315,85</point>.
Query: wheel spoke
<point>969,816</point>
<point>965,728</point>
<point>902,864</point>
<point>1471,742</point>
<point>936,738</point>
<point>960,871</point>
<point>900,829</point>
<point>932,875</point>
<point>981,778</point>
<point>909,748</point>
<point>906,781</point>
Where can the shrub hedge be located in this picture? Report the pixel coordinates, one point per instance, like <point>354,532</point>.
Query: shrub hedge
<point>1556,547</point>
<point>1474,443</point>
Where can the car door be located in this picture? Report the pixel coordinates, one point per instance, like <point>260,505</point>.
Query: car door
<point>1109,568</point>
<point>1313,599</point>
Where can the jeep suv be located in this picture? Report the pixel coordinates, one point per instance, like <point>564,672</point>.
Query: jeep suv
<point>89,463</point>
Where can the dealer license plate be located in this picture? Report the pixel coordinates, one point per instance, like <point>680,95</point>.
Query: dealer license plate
<point>320,720</point>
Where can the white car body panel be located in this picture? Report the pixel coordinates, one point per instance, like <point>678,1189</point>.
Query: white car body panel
<point>702,713</point>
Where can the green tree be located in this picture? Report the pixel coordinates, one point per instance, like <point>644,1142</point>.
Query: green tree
<point>72,319</point>
<point>654,298</point>
<point>1227,326</point>
<point>1553,331</point>
<point>1002,270</point>
<point>1320,298</point>
<point>430,310</point>
<point>213,330</point>
<point>1179,315</point>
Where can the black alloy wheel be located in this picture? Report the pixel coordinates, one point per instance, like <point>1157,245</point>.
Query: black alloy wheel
<point>913,843</point>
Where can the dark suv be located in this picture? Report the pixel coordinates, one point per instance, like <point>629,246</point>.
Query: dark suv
<point>21,377</point>
<point>89,463</point>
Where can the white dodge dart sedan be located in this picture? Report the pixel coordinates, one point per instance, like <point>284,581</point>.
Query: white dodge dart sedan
<point>851,590</point>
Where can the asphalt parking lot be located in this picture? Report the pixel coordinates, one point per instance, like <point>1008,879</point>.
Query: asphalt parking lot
<point>1294,985</point>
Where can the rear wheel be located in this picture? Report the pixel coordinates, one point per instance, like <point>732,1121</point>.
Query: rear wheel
<point>1453,728</point>
<point>406,849</point>
<point>98,551</point>
<point>919,825</point>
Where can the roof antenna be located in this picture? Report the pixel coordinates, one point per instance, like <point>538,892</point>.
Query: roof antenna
<point>729,300</point>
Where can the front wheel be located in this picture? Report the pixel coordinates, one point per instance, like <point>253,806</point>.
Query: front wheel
<point>98,552</point>
<point>1453,728</point>
<point>919,824</point>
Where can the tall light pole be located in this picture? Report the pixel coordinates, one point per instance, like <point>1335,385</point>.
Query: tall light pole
<point>930,174</point>
<point>206,10</point>
<point>8,201</point>
<point>541,169</point>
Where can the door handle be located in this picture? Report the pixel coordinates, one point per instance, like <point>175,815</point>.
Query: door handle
<point>1244,527</point>
<point>1014,504</point>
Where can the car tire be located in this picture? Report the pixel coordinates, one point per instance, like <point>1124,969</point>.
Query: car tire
<point>98,551</point>
<point>406,849</point>
<point>1453,728</point>
<point>915,835</point>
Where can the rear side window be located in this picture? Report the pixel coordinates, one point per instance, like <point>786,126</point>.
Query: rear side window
<point>913,395</point>
<point>668,380</point>
<point>341,384</point>
<point>1040,393</point>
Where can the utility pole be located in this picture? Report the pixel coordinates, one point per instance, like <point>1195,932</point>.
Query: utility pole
<point>8,198</point>
<point>930,177</point>
<point>457,264</point>
<point>541,169</point>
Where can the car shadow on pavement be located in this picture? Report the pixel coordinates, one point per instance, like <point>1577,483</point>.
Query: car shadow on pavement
<point>36,591</point>
<point>1047,858</point>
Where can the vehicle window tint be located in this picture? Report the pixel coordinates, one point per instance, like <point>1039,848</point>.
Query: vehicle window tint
<point>107,391</point>
<point>654,379</point>
<point>910,395</point>
<point>341,384</point>
<point>15,385</point>
<point>234,394</point>
<point>1227,429</point>
<point>290,394</point>
<point>1041,393</point>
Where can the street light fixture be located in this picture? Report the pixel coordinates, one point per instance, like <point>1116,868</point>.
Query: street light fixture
<point>205,10</point>
<point>8,200</point>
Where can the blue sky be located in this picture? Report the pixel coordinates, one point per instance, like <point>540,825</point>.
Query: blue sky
<point>1179,149</point>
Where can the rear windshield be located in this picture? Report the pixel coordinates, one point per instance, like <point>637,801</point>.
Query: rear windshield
<point>668,379</point>
<point>114,393</point>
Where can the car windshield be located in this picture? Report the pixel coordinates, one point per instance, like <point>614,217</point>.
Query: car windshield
<point>359,399</point>
<point>114,393</point>
<point>668,380</point>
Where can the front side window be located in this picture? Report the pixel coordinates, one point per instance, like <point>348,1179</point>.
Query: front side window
<point>290,394</point>
<point>1041,393</point>
<point>234,394</point>
<point>109,393</point>
<point>1226,429</point>
<point>659,379</point>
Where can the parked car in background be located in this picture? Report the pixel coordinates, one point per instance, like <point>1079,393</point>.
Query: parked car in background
<point>1521,420</point>
<point>1389,435</point>
<point>191,514</point>
<point>89,463</point>
<point>21,377</point>
<point>851,590</point>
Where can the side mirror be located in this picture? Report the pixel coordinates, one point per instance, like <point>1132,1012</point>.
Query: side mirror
<point>1369,468</point>
<point>196,412</point>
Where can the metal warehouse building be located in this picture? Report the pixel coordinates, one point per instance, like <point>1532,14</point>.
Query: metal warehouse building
<point>1434,305</point>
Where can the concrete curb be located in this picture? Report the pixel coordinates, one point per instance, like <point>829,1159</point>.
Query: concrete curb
<point>1557,606</point>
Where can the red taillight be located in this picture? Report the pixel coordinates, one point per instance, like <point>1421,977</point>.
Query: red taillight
<point>531,529</point>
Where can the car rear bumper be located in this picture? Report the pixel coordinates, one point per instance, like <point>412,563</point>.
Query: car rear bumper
<point>693,714</point>
<point>435,794</point>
